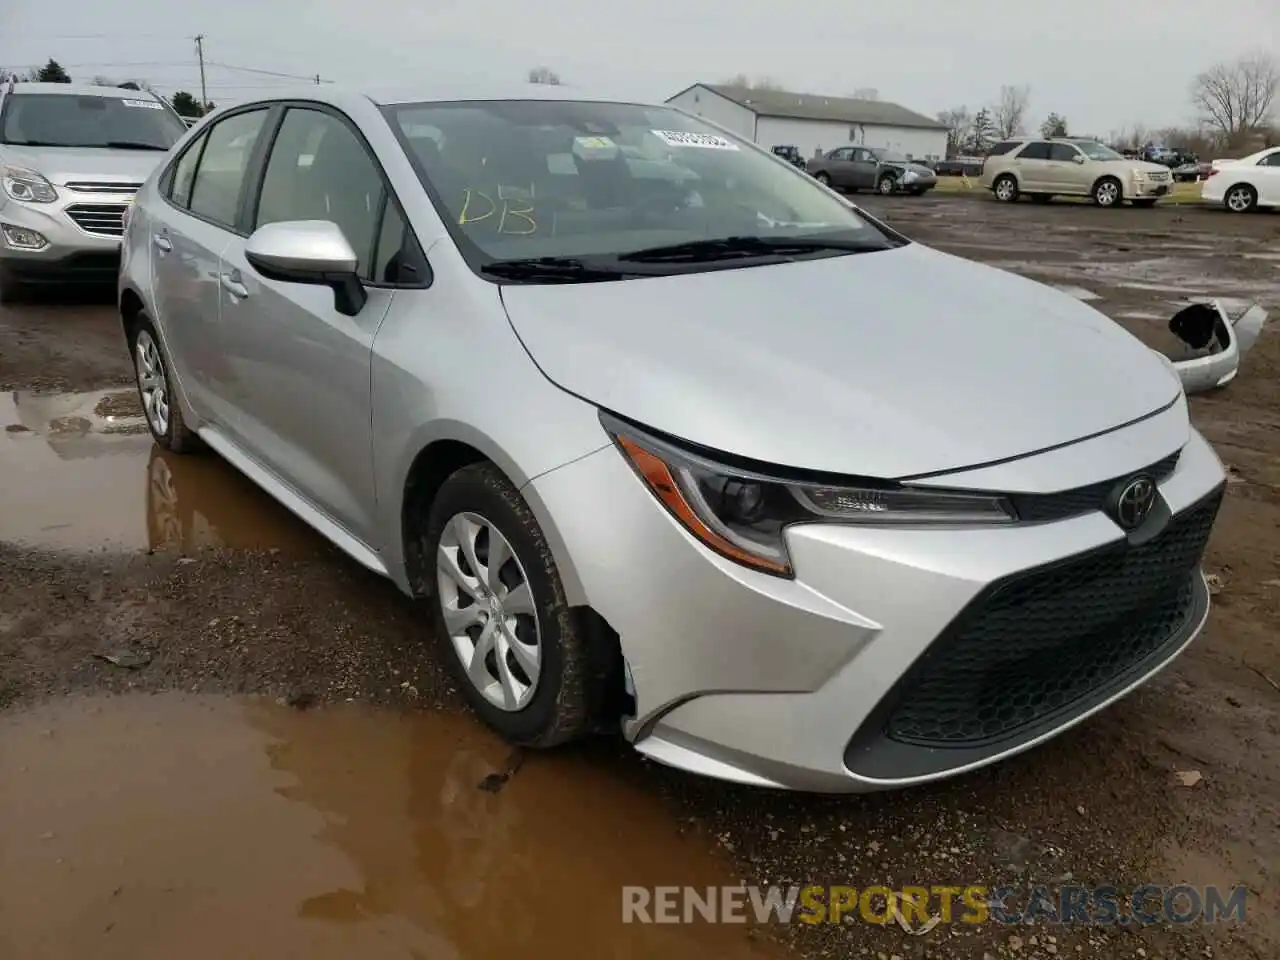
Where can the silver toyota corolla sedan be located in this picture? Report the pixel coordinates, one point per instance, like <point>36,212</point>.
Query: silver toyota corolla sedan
<point>671,438</point>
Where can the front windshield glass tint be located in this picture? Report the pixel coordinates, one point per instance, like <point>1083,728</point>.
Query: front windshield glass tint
<point>69,120</point>
<point>1096,151</point>
<point>536,178</point>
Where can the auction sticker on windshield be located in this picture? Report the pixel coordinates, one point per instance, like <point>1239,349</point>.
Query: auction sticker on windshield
<point>705,141</point>
<point>148,104</point>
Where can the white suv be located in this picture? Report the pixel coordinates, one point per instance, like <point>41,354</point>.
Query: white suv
<point>1042,169</point>
<point>71,159</point>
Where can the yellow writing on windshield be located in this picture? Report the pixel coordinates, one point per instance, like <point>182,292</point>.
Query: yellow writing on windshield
<point>516,215</point>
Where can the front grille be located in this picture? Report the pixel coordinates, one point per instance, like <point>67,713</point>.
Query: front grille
<point>1157,177</point>
<point>120,187</point>
<point>1046,507</point>
<point>1043,642</point>
<point>102,219</point>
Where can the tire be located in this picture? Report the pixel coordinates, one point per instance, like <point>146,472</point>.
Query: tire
<point>823,178</point>
<point>160,407</point>
<point>1005,188</point>
<point>886,185</point>
<point>1241,198</point>
<point>473,506</point>
<point>1144,204</point>
<point>1108,192</point>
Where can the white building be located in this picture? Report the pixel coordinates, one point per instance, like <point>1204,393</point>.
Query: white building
<point>813,123</point>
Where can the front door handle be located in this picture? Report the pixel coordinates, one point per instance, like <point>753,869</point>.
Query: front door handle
<point>233,286</point>
<point>162,243</point>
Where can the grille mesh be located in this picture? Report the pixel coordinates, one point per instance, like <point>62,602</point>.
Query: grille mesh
<point>104,219</point>
<point>1042,642</point>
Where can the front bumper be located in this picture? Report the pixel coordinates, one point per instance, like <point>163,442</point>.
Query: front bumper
<point>1148,189</point>
<point>82,233</point>
<point>830,682</point>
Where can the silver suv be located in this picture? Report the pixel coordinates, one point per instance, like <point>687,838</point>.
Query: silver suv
<point>71,159</point>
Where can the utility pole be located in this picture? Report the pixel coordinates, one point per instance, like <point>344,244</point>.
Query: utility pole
<point>204,96</point>
<point>317,79</point>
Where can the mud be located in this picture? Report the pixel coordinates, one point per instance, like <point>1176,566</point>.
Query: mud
<point>166,826</point>
<point>228,596</point>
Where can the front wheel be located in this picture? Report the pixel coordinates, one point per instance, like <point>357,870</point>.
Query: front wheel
<point>1107,192</point>
<point>1240,199</point>
<point>500,609</point>
<point>1005,188</point>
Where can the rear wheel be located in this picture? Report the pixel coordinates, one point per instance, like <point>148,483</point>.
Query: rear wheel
<point>155,390</point>
<point>1108,192</point>
<point>1240,199</point>
<point>823,178</point>
<point>1005,188</point>
<point>886,184</point>
<point>523,660</point>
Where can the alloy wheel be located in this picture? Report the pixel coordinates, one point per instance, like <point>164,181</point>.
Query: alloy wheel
<point>1239,200</point>
<point>1005,189</point>
<point>489,611</point>
<point>1107,194</point>
<point>153,386</point>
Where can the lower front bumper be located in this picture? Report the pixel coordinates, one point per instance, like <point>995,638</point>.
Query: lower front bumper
<point>78,266</point>
<point>799,683</point>
<point>70,253</point>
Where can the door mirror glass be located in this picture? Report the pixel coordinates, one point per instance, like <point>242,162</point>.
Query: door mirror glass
<point>309,251</point>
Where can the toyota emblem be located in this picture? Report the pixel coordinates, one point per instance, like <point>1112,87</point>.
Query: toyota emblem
<point>1133,504</point>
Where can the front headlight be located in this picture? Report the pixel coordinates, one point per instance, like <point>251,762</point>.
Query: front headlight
<point>742,514</point>
<point>910,176</point>
<point>27,185</point>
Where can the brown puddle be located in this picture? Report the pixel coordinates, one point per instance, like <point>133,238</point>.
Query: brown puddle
<point>154,827</point>
<point>81,472</point>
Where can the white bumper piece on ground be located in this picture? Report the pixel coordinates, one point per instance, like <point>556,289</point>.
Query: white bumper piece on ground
<point>1215,343</point>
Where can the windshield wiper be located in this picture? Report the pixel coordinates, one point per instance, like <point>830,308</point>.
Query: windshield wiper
<point>724,248</point>
<point>133,145</point>
<point>553,270</point>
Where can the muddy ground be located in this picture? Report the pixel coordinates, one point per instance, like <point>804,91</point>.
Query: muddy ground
<point>307,783</point>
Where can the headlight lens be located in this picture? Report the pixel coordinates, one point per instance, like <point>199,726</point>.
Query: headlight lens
<point>27,185</point>
<point>742,515</point>
<point>910,176</point>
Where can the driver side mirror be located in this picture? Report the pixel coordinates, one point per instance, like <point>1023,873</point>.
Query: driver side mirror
<point>1078,158</point>
<point>309,251</point>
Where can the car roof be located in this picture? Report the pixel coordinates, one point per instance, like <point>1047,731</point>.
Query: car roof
<point>339,95</point>
<point>81,90</point>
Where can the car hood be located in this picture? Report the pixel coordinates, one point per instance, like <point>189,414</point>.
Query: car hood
<point>62,164</point>
<point>887,364</point>
<point>917,168</point>
<point>1127,165</point>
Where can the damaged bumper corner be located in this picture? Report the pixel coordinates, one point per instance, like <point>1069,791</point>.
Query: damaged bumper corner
<point>1215,343</point>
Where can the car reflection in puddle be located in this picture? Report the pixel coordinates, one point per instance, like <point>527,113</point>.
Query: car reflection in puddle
<point>171,825</point>
<point>81,473</point>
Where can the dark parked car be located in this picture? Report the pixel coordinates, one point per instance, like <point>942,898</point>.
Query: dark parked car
<point>872,168</point>
<point>790,153</point>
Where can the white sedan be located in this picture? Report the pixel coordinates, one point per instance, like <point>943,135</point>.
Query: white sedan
<point>1244,185</point>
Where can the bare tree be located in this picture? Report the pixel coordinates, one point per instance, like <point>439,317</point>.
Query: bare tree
<point>1010,113</point>
<point>1235,99</point>
<point>545,75</point>
<point>741,81</point>
<point>958,122</point>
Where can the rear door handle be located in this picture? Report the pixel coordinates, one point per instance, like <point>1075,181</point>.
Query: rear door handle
<point>162,243</point>
<point>233,286</point>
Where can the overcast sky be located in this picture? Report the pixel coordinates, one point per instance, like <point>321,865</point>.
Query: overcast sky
<point>1102,64</point>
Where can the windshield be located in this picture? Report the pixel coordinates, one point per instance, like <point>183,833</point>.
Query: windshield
<point>1096,151</point>
<point>520,179</point>
<point>69,120</point>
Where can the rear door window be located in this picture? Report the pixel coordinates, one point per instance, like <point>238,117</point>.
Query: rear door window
<point>220,177</point>
<point>1037,150</point>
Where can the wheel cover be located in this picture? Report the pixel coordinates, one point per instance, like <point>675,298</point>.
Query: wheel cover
<point>153,386</point>
<point>1239,199</point>
<point>489,611</point>
<point>1004,189</point>
<point>1107,193</point>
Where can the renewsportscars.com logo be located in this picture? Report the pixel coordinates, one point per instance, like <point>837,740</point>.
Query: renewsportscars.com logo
<point>920,908</point>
